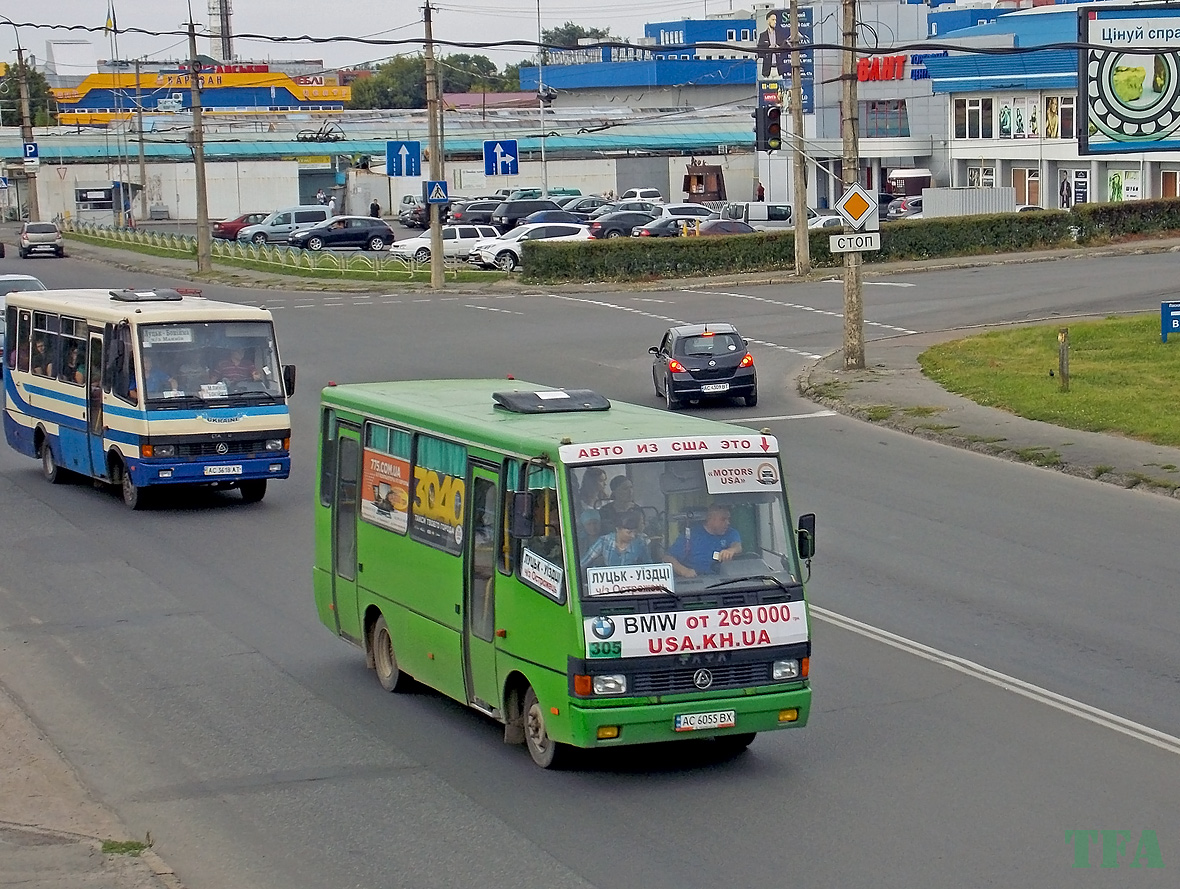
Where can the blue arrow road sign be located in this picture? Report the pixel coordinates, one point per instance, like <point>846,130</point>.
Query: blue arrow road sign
<point>501,158</point>
<point>435,191</point>
<point>31,151</point>
<point>403,158</point>
<point>3,182</point>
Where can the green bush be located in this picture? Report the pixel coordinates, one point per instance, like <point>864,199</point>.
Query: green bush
<point>1101,221</point>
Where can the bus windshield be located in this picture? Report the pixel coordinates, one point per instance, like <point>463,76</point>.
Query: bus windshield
<point>223,363</point>
<point>682,526</point>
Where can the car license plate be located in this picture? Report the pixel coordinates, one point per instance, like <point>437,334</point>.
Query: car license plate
<point>223,470</point>
<point>691,722</point>
<point>715,387</point>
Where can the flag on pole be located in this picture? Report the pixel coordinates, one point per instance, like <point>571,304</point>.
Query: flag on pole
<point>110,25</point>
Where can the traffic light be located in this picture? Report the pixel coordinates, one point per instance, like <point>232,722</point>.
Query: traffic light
<point>769,129</point>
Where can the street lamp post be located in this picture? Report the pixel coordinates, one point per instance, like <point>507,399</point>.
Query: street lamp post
<point>541,103</point>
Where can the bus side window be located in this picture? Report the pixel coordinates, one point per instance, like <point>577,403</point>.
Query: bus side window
<point>10,336</point>
<point>23,329</point>
<point>327,458</point>
<point>511,474</point>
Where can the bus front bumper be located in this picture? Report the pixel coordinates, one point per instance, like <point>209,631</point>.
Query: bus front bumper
<point>174,472</point>
<point>651,723</point>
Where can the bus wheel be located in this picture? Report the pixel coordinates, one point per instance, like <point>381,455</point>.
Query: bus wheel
<point>732,745</point>
<point>388,674</point>
<point>134,496</point>
<point>253,490</point>
<point>49,468</point>
<point>546,752</point>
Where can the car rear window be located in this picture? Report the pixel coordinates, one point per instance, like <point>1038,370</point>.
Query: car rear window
<point>310,216</point>
<point>717,344</point>
<point>41,228</point>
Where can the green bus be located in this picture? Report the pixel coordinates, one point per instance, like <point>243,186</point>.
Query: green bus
<point>467,539</point>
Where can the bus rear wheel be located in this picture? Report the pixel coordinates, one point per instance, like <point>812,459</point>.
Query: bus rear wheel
<point>49,468</point>
<point>546,752</point>
<point>253,490</point>
<point>388,674</point>
<point>732,745</point>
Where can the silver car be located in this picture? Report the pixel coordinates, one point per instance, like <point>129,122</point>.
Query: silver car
<point>40,237</point>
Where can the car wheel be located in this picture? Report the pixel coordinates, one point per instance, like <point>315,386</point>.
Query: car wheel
<point>506,261</point>
<point>388,673</point>
<point>376,243</point>
<point>546,752</point>
<point>752,398</point>
<point>61,252</point>
<point>614,234</point>
<point>49,468</point>
<point>671,400</point>
<point>259,239</point>
<point>253,490</point>
<point>422,254</point>
<point>134,496</point>
<point>315,244</point>
<point>24,254</point>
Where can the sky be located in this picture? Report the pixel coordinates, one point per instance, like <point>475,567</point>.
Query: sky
<point>459,20</point>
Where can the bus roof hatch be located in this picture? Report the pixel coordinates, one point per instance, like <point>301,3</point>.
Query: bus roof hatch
<point>162,294</point>
<point>551,401</point>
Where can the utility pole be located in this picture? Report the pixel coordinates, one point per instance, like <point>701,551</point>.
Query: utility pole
<point>854,338</point>
<point>204,238</point>
<point>541,103</point>
<point>798,167</point>
<point>26,131</point>
<point>432,106</point>
<point>143,204</point>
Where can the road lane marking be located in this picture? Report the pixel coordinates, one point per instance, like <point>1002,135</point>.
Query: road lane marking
<point>808,416</point>
<point>802,308</point>
<point>492,309</point>
<point>1104,718</point>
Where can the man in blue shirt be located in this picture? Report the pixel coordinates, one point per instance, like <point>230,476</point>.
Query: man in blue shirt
<point>702,548</point>
<point>623,546</point>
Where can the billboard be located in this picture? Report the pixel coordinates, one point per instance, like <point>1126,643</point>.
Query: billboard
<point>773,63</point>
<point>1129,79</point>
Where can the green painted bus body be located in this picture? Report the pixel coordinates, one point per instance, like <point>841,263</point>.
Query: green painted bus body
<point>420,589</point>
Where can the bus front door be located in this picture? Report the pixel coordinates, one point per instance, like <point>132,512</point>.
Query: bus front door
<point>344,519</point>
<point>479,621</point>
<point>95,424</point>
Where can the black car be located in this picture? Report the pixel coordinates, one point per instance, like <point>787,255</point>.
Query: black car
<point>477,212</point>
<point>662,227</point>
<point>694,362</point>
<point>618,224</point>
<point>508,214</point>
<point>583,206</point>
<point>362,232</point>
<point>552,216</point>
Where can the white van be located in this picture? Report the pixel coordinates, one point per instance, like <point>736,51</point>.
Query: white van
<point>761,215</point>
<point>281,223</point>
<point>642,194</point>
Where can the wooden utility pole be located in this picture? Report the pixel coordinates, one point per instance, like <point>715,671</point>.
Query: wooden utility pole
<point>204,237</point>
<point>432,114</point>
<point>854,339</point>
<point>143,202</point>
<point>26,132</point>
<point>798,166</point>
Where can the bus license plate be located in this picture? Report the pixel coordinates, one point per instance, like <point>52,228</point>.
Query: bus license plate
<point>223,470</point>
<point>691,722</point>
<point>715,387</point>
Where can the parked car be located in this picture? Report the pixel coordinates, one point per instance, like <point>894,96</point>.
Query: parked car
<point>505,251</point>
<point>661,227</point>
<point>457,242</point>
<point>642,194</point>
<point>228,229</point>
<point>526,194</point>
<point>552,216</point>
<point>826,220</point>
<point>900,208</point>
<point>651,209</point>
<point>700,361</point>
<point>509,213</point>
<point>279,224</point>
<point>618,224</point>
<point>724,227</point>
<point>763,216</point>
<point>584,206</point>
<point>477,212</point>
<point>40,237</point>
<point>699,211</point>
<point>361,232</point>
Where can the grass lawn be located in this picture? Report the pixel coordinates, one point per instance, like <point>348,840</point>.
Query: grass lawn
<point>1122,378</point>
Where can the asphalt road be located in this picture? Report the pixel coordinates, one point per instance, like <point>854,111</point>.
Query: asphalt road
<point>176,658</point>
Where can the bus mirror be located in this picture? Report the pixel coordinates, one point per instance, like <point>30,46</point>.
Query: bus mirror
<point>522,514</point>
<point>289,379</point>
<point>807,535</point>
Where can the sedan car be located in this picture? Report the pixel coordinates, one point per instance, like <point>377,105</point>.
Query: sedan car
<point>693,211</point>
<point>826,220</point>
<point>228,229</point>
<point>457,242</point>
<point>663,227</point>
<point>694,362</point>
<point>361,232</point>
<point>552,216</point>
<point>618,224</point>
<point>40,237</point>
<point>477,212</point>
<point>725,227</point>
<point>647,207</point>
<point>583,206</point>
<point>505,252</point>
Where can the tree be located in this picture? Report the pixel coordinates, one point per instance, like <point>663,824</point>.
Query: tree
<point>509,81</point>
<point>463,73</point>
<point>568,35</point>
<point>399,83</point>
<point>40,98</point>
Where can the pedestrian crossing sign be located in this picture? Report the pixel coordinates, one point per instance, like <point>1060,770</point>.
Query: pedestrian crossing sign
<point>435,191</point>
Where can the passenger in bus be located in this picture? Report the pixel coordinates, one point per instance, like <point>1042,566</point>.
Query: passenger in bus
<point>193,372</point>
<point>622,546</point>
<point>42,364</point>
<point>236,369</point>
<point>622,498</point>
<point>158,382</point>
<point>73,368</point>
<point>592,491</point>
<point>589,528</point>
<point>704,546</point>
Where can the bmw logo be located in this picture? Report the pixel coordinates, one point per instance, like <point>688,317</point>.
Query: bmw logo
<point>702,678</point>
<point>222,447</point>
<point>603,627</point>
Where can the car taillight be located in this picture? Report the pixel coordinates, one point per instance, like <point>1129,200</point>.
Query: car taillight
<point>748,361</point>
<point>456,214</point>
<point>676,367</point>
<point>644,231</point>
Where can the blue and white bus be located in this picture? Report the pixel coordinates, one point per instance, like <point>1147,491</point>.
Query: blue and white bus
<point>140,389</point>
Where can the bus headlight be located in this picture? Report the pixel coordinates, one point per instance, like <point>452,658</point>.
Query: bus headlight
<point>164,450</point>
<point>611,684</point>
<point>785,670</point>
<point>274,444</point>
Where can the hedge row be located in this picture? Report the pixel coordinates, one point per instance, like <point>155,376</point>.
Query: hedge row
<point>639,259</point>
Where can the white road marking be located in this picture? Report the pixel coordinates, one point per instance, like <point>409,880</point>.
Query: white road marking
<point>787,305</point>
<point>743,420</point>
<point>492,309</point>
<point>1104,718</point>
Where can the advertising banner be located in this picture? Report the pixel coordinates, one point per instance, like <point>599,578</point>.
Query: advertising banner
<point>385,490</point>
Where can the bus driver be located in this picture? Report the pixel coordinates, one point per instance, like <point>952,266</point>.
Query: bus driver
<point>703,547</point>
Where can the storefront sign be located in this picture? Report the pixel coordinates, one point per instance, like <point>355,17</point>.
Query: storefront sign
<point>881,68</point>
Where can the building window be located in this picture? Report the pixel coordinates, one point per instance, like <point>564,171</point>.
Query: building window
<point>973,118</point>
<point>731,36</point>
<point>746,34</point>
<point>1026,181</point>
<point>1170,184</point>
<point>981,177</point>
<point>1019,118</point>
<point>884,118</point>
<point>1060,117</point>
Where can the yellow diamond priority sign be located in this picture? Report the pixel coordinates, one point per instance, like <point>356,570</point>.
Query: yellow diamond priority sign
<point>859,208</point>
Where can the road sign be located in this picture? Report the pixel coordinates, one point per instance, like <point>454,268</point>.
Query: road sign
<point>434,191</point>
<point>855,243</point>
<point>403,158</point>
<point>3,182</point>
<point>32,157</point>
<point>1169,318</point>
<point>501,158</point>
<point>859,208</point>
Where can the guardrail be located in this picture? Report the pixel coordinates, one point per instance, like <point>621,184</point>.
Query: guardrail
<point>282,259</point>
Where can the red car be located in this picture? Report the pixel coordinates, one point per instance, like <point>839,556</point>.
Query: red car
<point>228,229</point>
